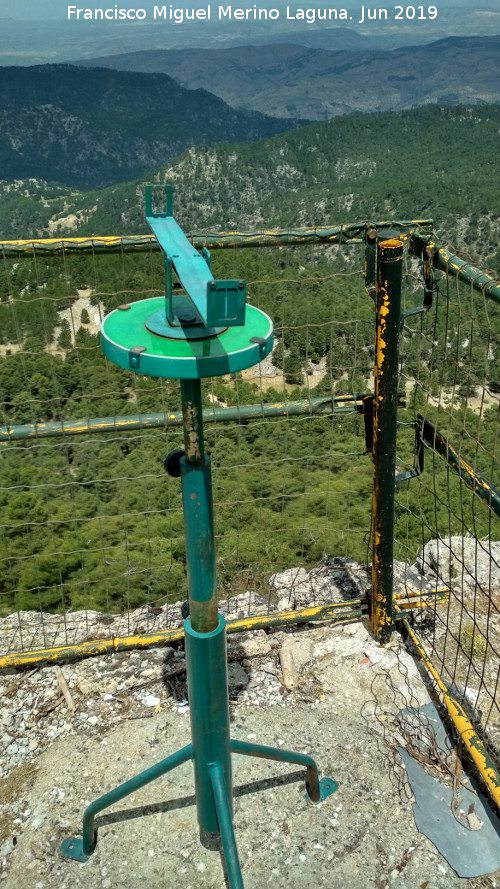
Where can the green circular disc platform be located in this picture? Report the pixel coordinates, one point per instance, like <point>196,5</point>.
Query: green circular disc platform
<point>127,342</point>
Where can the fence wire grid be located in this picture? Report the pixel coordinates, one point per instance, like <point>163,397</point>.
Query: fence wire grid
<point>447,519</point>
<point>92,540</point>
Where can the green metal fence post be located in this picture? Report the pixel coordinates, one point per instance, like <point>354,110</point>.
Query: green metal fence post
<point>388,310</point>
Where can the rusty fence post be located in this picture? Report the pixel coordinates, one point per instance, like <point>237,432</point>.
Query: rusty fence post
<point>388,311</point>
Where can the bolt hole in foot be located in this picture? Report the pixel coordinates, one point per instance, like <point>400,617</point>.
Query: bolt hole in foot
<point>327,786</point>
<point>73,848</point>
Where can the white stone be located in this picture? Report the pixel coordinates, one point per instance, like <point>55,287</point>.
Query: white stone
<point>38,817</point>
<point>151,700</point>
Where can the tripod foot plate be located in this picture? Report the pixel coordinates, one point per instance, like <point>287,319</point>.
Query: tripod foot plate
<point>327,786</point>
<point>72,847</point>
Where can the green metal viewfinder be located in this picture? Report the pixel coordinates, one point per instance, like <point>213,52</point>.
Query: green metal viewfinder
<point>202,328</point>
<point>210,303</point>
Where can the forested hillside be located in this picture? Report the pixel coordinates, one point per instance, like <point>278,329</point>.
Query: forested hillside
<point>440,163</point>
<point>90,127</point>
<point>93,521</point>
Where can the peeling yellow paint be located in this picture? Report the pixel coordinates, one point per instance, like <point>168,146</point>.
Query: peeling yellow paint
<point>471,477</point>
<point>341,611</point>
<point>465,730</point>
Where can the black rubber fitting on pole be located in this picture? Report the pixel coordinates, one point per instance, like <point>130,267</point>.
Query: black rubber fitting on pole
<point>172,462</point>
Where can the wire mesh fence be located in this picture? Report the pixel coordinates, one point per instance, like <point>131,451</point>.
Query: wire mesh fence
<point>447,518</point>
<point>92,540</point>
<point>91,526</point>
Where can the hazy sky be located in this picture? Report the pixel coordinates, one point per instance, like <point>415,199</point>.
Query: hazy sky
<point>33,9</point>
<point>40,9</point>
<point>44,9</point>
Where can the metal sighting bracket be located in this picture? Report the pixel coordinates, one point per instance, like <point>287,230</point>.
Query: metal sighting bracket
<point>209,303</point>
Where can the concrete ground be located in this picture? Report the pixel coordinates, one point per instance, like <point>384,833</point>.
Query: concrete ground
<point>340,708</point>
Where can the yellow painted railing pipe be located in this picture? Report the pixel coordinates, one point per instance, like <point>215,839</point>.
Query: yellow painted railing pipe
<point>343,611</point>
<point>466,731</point>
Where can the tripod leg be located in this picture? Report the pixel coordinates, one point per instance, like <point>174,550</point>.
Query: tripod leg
<point>316,790</point>
<point>223,810</point>
<point>80,849</point>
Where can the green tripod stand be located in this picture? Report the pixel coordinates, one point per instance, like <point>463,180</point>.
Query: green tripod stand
<point>205,330</point>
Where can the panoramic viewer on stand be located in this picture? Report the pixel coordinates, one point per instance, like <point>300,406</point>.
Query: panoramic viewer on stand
<point>205,330</point>
<point>224,526</point>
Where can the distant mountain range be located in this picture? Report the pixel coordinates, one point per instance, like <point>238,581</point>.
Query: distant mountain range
<point>26,40</point>
<point>46,41</point>
<point>92,127</point>
<point>293,81</point>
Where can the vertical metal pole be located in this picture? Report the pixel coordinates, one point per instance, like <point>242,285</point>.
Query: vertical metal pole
<point>224,818</point>
<point>196,484</point>
<point>206,663</point>
<point>388,311</point>
<point>205,631</point>
<point>192,417</point>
